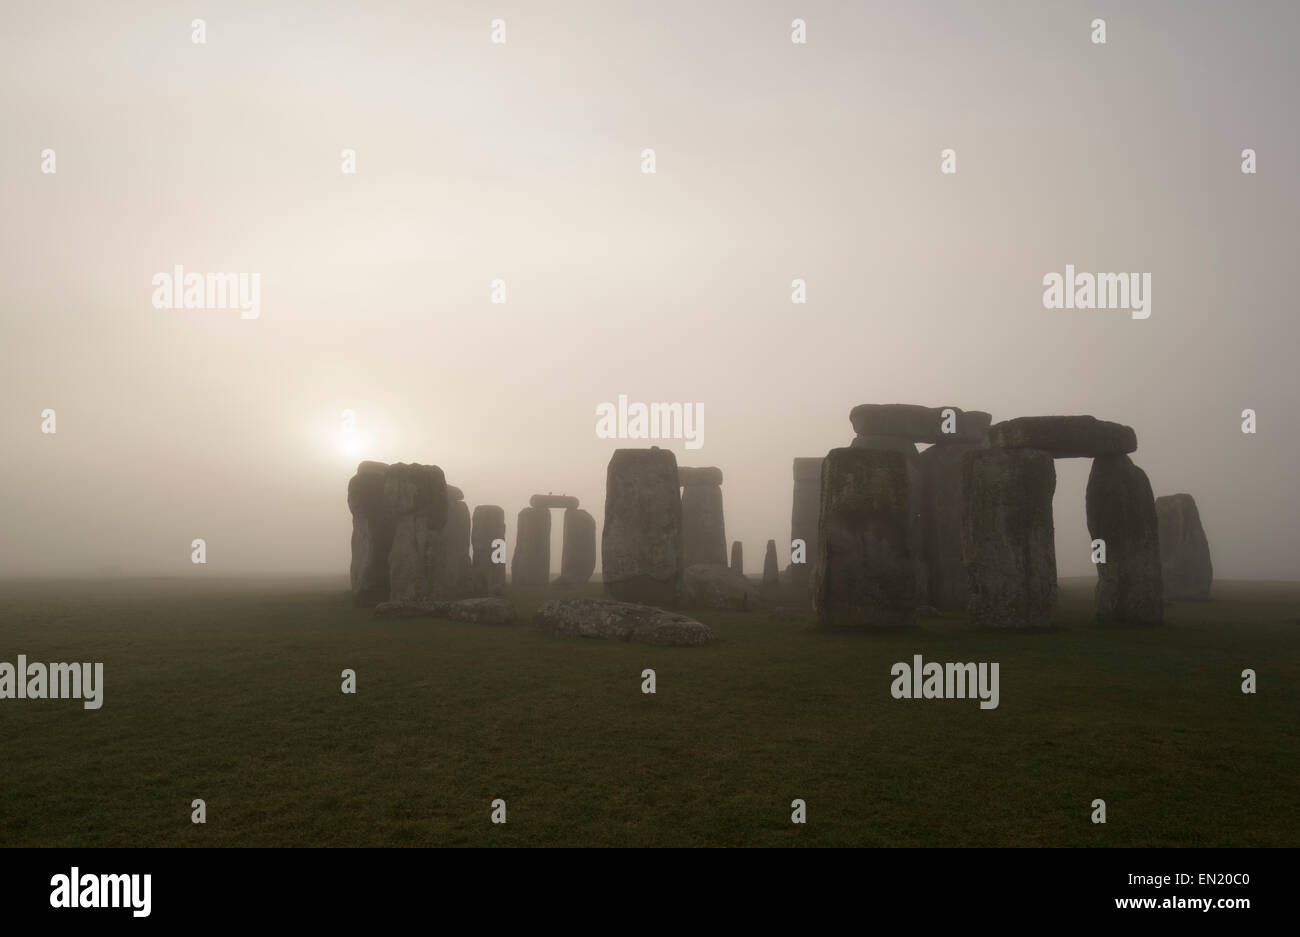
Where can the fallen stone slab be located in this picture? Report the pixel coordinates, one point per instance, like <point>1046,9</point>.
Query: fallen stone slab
<point>915,423</point>
<point>1064,437</point>
<point>620,621</point>
<point>715,586</point>
<point>479,611</point>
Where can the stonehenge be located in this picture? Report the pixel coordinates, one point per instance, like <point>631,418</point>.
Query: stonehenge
<point>641,544</point>
<point>531,563</point>
<point>398,513</point>
<point>1122,514</point>
<point>578,555</point>
<point>866,567</point>
<point>488,524</point>
<point>704,535</point>
<point>1008,537</point>
<point>1185,567</point>
<point>803,518</point>
<point>771,578</point>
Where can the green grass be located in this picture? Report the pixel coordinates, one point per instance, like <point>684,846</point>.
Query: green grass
<point>229,691</point>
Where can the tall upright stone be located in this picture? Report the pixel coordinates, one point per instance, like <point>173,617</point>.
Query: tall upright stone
<point>911,459</point>
<point>531,563</point>
<point>738,557</point>
<point>1122,513</point>
<point>803,518</point>
<point>704,532</point>
<point>866,566</point>
<point>455,575</point>
<point>641,545</point>
<point>1008,539</point>
<point>489,524</point>
<point>771,572</point>
<point>1185,566</point>
<point>372,534</point>
<point>943,505</point>
<point>416,498</point>
<point>578,559</point>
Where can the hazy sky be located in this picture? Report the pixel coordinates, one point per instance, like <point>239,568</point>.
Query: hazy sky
<point>522,161</point>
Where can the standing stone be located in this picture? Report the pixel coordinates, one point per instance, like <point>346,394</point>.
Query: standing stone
<point>641,545</point>
<point>942,512</point>
<point>771,575</point>
<point>704,533</point>
<point>489,524</point>
<point>1122,512</point>
<point>1185,566</point>
<point>803,518</point>
<point>914,487</point>
<point>1008,541</point>
<point>578,559</point>
<point>415,496</point>
<point>455,578</point>
<point>866,566</point>
<point>738,557</point>
<point>531,564</point>
<point>372,534</point>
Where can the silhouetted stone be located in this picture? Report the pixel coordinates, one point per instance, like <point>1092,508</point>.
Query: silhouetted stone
<point>1064,437</point>
<point>454,494</point>
<point>771,573</point>
<point>706,586</point>
<point>1008,541</point>
<point>1185,566</point>
<point>942,510</point>
<point>884,443</point>
<point>531,563</point>
<point>416,497</point>
<point>866,568</point>
<point>915,497</point>
<point>738,557</point>
<point>641,545</point>
<point>489,523</point>
<point>914,423</point>
<point>578,559</point>
<point>372,534</point>
<point>803,518</point>
<point>563,502</point>
<point>455,577</point>
<point>620,621</point>
<point>1122,512</point>
<point>704,532</point>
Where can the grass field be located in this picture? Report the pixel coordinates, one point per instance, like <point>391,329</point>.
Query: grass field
<point>230,691</point>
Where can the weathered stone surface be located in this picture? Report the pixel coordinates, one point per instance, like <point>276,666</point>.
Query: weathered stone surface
<point>454,494</point>
<point>942,511</point>
<point>704,532</point>
<point>416,497</point>
<point>563,502</point>
<point>489,523</point>
<point>372,534</point>
<point>641,544</point>
<point>885,443</point>
<point>866,569</point>
<point>531,563</point>
<point>705,586</point>
<point>687,475</point>
<point>738,557</point>
<point>578,559</point>
<point>914,423</point>
<point>456,580</point>
<point>1185,566</point>
<point>803,518</point>
<point>620,621</point>
<point>771,573</point>
<point>1008,540</point>
<point>484,611</point>
<point>1064,437</point>
<point>1122,512</point>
